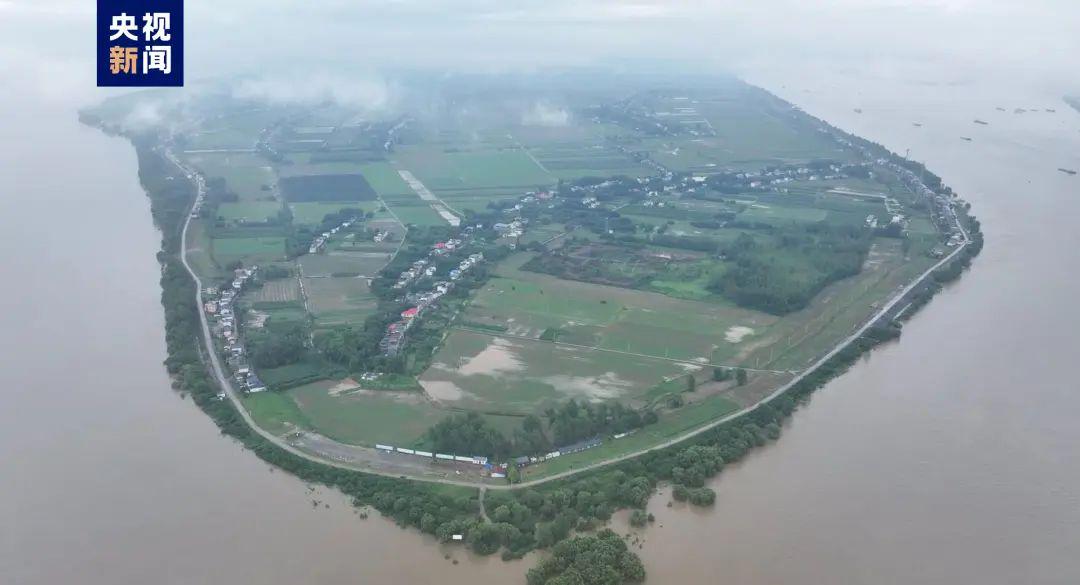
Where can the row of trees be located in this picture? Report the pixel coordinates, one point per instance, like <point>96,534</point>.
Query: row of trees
<point>784,277</point>
<point>277,344</point>
<point>570,422</point>
<point>603,559</point>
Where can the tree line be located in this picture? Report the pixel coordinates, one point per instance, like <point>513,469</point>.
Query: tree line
<point>567,423</point>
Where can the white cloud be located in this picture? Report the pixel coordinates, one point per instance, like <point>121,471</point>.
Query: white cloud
<point>369,93</point>
<point>542,114</point>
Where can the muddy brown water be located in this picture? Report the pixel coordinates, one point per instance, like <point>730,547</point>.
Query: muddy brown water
<point>107,476</point>
<point>949,457</point>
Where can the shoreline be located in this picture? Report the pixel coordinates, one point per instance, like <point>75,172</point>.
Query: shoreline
<point>458,507</point>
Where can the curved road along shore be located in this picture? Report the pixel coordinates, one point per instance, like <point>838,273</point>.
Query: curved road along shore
<point>367,460</point>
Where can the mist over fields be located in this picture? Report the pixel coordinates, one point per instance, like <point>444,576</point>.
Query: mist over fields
<point>341,49</point>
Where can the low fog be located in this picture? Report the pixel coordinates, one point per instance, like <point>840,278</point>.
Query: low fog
<point>343,50</point>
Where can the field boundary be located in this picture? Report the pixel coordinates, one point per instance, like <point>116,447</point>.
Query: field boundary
<point>476,331</point>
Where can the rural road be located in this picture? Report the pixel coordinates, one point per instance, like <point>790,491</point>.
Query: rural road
<point>356,458</point>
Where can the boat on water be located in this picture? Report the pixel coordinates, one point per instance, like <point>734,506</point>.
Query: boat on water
<point>1067,171</point>
<point>978,121</point>
<point>1051,110</point>
<point>1000,109</point>
<point>916,124</point>
<point>965,138</point>
<point>858,110</point>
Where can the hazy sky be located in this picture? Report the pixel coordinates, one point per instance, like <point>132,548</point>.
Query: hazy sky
<point>46,46</point>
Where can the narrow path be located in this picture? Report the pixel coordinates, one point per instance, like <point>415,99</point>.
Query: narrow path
<point>529,154</point>
<point>483,510</point>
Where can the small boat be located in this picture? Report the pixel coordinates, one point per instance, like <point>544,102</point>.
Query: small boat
<point>1067,171</point>
<point>978,121</point>
<point>916,124</point>
<point>858,110</point>
<point>1019,111</point>
<point>965,138</point>
<point>1000,109</point>
<point>1051,110</point>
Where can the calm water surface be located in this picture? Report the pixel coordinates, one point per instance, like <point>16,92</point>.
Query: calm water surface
<point>107,476</point>
<point>951,456</point>
<point>948,457</point>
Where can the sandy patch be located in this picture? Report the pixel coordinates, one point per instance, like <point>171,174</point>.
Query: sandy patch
<point>595,389</point>
<point>497,357</point>
<point>342,386</point>
<point>736,333</point>
<point>443,390</point>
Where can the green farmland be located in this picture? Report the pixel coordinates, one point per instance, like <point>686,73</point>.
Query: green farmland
<point>639,248</point>
<point>248,250</point>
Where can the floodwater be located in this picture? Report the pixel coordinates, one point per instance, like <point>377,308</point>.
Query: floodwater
<point>948,457</point>
<point>108,476</point>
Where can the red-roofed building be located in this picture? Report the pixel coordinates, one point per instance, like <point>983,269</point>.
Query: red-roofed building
<point>409,313</point>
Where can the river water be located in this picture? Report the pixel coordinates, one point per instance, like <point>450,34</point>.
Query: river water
<point>950,456</point>
<point>108,476</point>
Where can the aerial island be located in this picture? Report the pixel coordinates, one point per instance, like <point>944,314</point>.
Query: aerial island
<point>501,309</point>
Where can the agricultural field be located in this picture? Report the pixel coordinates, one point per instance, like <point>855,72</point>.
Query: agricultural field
<point>415,212</point>
<point>327,187</point>
<point>385,180</point>
<point>235,129</point>
<point>200,251</point>
<point>248,250</point>
<point>338,300</point>
<point>487,372</point>
<point>485,169</point>
<point>249,212</point>
<point>282,290</point>
<point>312,213</point>
<point>636,240</point>
<point>247,175</point>
<point>743,128</point>
<point>351,263</point>
<point>343,411</point>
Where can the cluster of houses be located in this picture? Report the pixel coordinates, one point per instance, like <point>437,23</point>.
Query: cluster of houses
<point>942,204</point>
<point>394,338</point>
<point>873,223</point>
<point>512,229</point>
<point>319,243</point>
<point>942,209</point>
<point>223,309</point>
<point>779,176</point>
